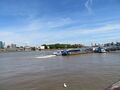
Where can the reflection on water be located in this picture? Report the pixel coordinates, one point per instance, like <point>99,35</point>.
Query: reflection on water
<point>22,71</point>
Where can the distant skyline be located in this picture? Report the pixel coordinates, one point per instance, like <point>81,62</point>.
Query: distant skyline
<point>36,22</point>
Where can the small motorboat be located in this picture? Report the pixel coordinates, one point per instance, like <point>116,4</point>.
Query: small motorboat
<point>58,53</point>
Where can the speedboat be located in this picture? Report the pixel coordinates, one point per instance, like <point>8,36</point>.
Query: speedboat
<point>58,53</point>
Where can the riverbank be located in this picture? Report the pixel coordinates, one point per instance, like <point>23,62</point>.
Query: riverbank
<point>52,50</point>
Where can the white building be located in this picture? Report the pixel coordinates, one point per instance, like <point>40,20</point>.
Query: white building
<point>42,47</point>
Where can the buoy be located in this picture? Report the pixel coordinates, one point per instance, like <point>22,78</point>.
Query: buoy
<point>65,85</point>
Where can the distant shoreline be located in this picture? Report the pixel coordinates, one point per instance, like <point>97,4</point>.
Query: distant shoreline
<point>5,51</point>
<point>117,51</point>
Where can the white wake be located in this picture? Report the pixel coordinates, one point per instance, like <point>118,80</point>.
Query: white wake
<point>47,56</point>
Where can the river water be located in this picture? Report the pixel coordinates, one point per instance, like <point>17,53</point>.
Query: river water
<point>28,71</point>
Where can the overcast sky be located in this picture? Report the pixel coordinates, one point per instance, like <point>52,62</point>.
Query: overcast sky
<point>37,22</point>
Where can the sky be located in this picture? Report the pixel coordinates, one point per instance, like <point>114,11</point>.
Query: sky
<point>37,22</point>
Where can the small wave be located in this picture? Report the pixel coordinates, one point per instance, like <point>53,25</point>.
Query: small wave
<point>47,56</point>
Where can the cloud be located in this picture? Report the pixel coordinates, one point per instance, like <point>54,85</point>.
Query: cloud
<point>36,30</point>
<point>5,33</point>
<point>40,31</point>
<point>85,34</point>
<point>44,24</point>
<point>95,30</point>
<point>106,38</point>
<point>103,29</point>
<point>88,4</point>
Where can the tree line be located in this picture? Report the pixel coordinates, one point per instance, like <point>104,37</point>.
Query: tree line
<point>62,46</point>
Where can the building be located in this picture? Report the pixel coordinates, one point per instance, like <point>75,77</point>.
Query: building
<point>42,47</point>
<point>13,46</point>
<point>2,44</point>
<point>27,48</point>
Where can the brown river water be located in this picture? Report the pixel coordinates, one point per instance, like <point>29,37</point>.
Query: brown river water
<point>23,71</point>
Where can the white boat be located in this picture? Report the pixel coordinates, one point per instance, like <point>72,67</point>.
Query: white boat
<point>67,52</point>
<point>103,51</point>
<point>58,53</point>
<point>100,50</point>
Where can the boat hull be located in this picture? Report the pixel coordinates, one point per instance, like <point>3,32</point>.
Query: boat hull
<point>115,86</point>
